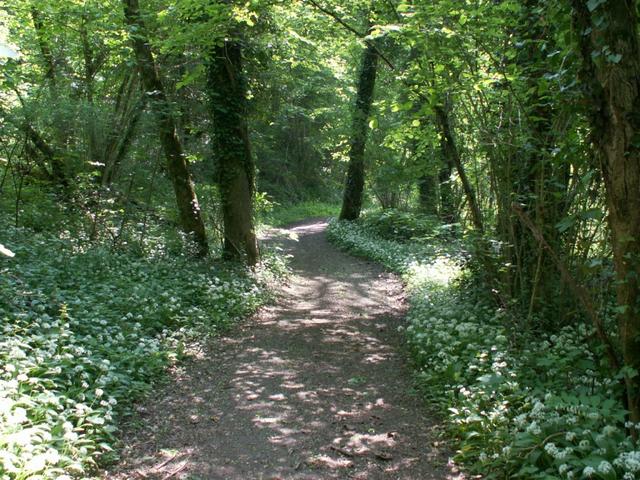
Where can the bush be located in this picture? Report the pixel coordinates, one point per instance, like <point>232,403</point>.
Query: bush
<point>404,226</point>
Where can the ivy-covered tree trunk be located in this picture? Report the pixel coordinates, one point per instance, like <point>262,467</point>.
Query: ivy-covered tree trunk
<point>188,206</point>
<point>612,84</point>
<point>354,185</point>
<point>226,87</point>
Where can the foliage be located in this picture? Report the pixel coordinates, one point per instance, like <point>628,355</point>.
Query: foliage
<point>520,404</point>
<point>281,215</point>
<point>397,256</point>
<point>479,107</point>
<point>302,80</point>
<point>403,226</point>
<point>86,331</point>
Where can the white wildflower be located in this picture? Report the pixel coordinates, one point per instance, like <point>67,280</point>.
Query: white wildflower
<point>605,467</point>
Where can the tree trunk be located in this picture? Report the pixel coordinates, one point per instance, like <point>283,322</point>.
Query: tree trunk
<point>188,207</point>
<point>612,84</point>
<point>235,169</point>
<point>91,67</point>
<point>58,168</point>
<point>45,48</point>
<point>126,116</point>
<point>354,186</point>
<point>428,193</point>
<point>452,155</point>
<point>447,207</point>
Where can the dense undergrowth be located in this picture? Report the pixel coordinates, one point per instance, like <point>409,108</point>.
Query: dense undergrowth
<point>518,403</point>
<point>87,330</point>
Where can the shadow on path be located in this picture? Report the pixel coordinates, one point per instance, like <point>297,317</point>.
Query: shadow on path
<point>313,387</point>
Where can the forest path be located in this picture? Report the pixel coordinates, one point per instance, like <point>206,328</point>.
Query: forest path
<point>313,387</point>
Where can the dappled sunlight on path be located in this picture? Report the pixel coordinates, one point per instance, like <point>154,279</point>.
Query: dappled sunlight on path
<point>313,387</point>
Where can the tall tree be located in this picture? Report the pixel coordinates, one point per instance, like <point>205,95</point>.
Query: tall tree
<point>127,111</point>
<point>428,193</point>
<point>608,41</point>
<point>188,206</point>
<point>58,168</point>
<point>226,85</point>
<point>447,208</point>
<point>354,185</point>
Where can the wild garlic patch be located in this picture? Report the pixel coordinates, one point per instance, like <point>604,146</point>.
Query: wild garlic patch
<point>519,404</point>
<point>84,335</point>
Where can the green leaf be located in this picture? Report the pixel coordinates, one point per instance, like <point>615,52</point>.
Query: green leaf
<point>96,420</point>
<point>565,224</point>
<point>534,456</point>
<point>593,4</point>
<point>191,77</point>
<point>491,379</point>
<point>614,58</point>
<point>594,213</point>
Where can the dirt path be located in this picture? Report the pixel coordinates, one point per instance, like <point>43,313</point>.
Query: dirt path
<point>311,388</point>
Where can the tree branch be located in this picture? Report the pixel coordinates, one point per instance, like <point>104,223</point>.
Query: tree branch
<point>359,34</point>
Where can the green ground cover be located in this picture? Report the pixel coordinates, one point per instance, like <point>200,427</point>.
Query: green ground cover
<point>87,331</point>
<point>517,403</point>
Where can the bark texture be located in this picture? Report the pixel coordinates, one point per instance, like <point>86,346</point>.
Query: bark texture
<point>428,194</point>
<point>235,167</point>
<point>188,207</point>
<point>354,186</point>
<point>612,84</point>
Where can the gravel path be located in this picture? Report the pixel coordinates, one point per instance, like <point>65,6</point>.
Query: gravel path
<point>313,387</point>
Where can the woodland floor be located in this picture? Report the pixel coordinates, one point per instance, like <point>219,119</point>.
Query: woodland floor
<point>313,387</point>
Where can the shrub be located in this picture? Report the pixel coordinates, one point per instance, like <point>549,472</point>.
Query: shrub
<point>402,226</point>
